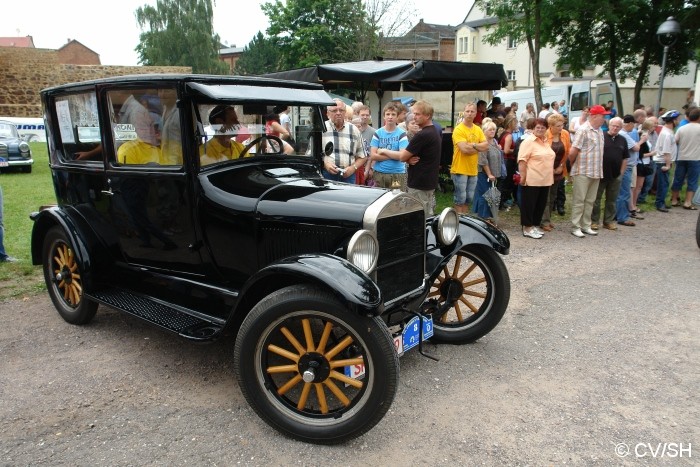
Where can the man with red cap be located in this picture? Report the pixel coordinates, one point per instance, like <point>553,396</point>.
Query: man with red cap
<point>586,157</point>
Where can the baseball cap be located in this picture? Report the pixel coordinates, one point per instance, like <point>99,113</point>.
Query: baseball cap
<point>598,110</point>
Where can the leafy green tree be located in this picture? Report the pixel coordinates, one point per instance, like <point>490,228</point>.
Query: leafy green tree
<point>521,20</point>
<point>261,55</point>
<point>179,33</point>
<point>310,32</point>
<point>621,37</point>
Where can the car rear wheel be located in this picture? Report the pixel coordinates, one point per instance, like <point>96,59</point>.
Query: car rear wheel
<point>313,369</point>
<point>64,279</point>
<point>478,279</point>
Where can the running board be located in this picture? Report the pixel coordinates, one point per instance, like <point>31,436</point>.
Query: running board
<point>187,323</point>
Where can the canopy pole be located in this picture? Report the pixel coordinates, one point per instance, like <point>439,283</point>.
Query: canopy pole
<point>380,94</point>
<point>453,108</point>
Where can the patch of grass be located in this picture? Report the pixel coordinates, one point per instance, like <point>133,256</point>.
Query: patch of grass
<point>24,193</point>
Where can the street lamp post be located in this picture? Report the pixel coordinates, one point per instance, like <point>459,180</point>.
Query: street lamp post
<point>667,34</point>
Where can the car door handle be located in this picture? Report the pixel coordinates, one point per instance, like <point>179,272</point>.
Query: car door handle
<point>108,192</point>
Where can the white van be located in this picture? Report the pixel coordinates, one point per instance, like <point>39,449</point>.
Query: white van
<point>577,96</point>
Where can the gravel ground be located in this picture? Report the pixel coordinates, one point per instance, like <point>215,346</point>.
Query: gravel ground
<point>595,363</point>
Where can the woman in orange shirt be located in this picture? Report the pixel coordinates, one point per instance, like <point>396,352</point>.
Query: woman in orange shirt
<point>535,163</point>
<point>560,141</point>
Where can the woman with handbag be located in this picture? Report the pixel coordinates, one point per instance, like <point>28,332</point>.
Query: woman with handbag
<point>560,141</point>
<point>644,166</point>
<point>489,170</point>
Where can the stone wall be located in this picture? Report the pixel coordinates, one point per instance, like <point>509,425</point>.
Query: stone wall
<point>24,72</point>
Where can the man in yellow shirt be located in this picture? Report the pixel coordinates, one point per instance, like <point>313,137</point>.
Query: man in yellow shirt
<point>138,152</point>
<point>221,147</point>
<point>467,140</point>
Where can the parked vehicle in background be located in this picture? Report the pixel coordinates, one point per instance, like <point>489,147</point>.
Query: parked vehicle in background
<point>30,129</point>
<point>14,151</point>
<point>577,96</point>
<point>220,232</point>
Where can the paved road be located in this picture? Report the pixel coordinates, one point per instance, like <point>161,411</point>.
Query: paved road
<point>596,358</point>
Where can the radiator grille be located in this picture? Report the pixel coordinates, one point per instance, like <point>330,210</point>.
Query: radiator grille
<point>401,264</point>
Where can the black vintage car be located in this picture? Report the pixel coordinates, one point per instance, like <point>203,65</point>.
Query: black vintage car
<point>176,205</point>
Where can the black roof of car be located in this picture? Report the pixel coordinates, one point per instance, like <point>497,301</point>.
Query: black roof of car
<point>210,79</point>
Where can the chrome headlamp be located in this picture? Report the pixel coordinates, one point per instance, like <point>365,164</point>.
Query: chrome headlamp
<point>363,251</point>
<point>446,226</point>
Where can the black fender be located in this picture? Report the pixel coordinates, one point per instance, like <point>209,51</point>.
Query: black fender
<point>55,216</point>
<point>473,230</point>
<point>349,284</point>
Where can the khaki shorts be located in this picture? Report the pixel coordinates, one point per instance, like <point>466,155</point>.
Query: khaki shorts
<point>427,197</point>
<point>385,180</point>
<point>634,177</point>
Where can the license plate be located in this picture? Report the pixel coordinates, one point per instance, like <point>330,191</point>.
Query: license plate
<point>411,333</point>
<point>402,343</point>
<point>4,163</point>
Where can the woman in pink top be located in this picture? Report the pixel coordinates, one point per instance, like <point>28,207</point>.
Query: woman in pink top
<point>536,166</point>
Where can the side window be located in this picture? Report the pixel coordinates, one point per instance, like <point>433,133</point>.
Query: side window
<point>146,126</point>
<point>79,127</point>
<point>578,101</point>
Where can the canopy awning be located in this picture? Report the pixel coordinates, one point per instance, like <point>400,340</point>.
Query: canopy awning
<point>409,75</point>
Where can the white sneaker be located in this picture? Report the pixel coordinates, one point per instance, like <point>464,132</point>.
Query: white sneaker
<point>537,229</point>
<point>577,233</point>
<point>589,231</point>
<point>532,234</point>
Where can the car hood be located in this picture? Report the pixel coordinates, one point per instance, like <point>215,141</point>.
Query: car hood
<point>288,193</point>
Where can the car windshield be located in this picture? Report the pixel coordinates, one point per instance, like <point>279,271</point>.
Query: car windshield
<point>231,131</point>
<point>8,131</point>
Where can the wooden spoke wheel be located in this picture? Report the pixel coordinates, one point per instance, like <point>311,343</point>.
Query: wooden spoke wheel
<point>476,282</point>
<point>64,280</point>
<point>312,368</point>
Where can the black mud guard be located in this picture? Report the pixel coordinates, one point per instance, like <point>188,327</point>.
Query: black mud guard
<point>349,284</point>
<point>473,230</point>
<point>50,217</point>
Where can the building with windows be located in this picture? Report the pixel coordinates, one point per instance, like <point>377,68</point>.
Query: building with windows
<point>515,58</point>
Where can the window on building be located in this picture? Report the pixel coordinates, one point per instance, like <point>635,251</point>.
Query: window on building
<point>511,75</point>
<point>474,44</point>
<point>463,45</point>
<point>512,42</point>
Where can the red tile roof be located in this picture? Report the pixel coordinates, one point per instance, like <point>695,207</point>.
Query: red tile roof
<point>26,41</point>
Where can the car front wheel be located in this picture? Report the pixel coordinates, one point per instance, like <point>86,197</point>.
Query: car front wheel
<point>313,369</point>
<point>64,280</point>
<point>478,282</point>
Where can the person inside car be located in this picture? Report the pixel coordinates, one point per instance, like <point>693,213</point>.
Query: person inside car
<point>221,147</point>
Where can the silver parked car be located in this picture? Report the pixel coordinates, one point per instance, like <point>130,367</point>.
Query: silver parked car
<point>14,151</point>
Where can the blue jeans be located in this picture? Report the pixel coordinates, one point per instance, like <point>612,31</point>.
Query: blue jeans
<point>648,181</point>
<point>480,206</point>
<point>465,185</point>
<point>662,183</point>
<point>622,204</point>
<point>690,169</point>
<point>337,177</point>
<point>3,254</point>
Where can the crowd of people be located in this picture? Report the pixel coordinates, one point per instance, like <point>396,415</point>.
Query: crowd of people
<point>611,162</point>
<point>529,156</point>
